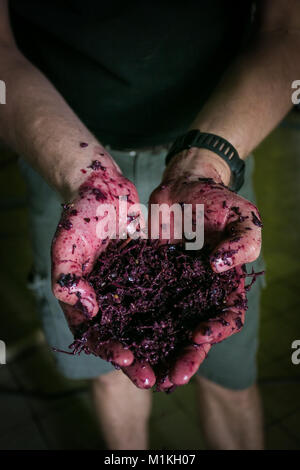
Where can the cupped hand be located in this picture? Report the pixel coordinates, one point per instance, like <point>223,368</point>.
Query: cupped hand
<point>83,233</point>
<point>232,233</point>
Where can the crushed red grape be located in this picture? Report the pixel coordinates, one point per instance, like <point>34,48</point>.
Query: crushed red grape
<point>151,297</point>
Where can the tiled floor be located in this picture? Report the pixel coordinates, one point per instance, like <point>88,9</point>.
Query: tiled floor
<point>39,409</point>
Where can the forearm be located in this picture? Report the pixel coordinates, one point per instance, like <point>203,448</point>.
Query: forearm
<point>251,99</point>
<point>38,124</point>
<point>255,93</point>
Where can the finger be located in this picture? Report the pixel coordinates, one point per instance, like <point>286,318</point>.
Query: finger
<point>188,363</point>
<point>229,322</point>
<point>112,352</point>
<point>243,245</point>
<point>71,258</point>
<point>141,375</point>
<point>135,226</point>
<point>71,289</point>
<point>165,385</point>
<point>217,330</point>
<point>73,316</point>
<point>164,218</point>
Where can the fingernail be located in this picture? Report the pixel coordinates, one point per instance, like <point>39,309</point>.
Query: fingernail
<point>239,323</point>
<point>221,264</point>
<point>85,306</point>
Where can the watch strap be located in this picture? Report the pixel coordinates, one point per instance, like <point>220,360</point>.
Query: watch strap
<point>216,144</point>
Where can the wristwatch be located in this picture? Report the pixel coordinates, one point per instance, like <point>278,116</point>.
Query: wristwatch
<point>216,144</point>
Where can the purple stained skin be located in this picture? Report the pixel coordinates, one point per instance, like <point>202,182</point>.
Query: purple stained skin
<point>66,224</point>
<point>236,210</point>
<point>82,308</point>
<point>235,239</point>
<point>206,180</point>
<point>223,322</point>
<point>97,165</point>
<point>256,220</point>
<point>152,297</point>
<point>239,323</point>
<point>68,280</point>
<point>225,256</point>
<point>100,196</point>
<point>130,217</point>
<point>207,331</point>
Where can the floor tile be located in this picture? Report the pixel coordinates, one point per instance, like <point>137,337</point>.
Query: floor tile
<point>71,425</point>
<point>175,431</point>
<point>291,424</point>
<point>26,436</point>
<point>280,400</point>
<point>278,439</point>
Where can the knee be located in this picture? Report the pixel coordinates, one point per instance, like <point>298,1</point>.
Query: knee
<point>109,380</point>
<point>242,399</point>
<point>238,398</point>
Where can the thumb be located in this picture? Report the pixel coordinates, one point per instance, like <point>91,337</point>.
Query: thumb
<point>71,289</point>
<point>243,246</point>
<point>68,266</point>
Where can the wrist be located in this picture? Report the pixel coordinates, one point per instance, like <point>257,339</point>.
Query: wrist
<point>96,165</point>
<point>199,163</point>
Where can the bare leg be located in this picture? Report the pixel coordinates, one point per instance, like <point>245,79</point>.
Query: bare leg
<point>230,419</point>
<point>122,410</point>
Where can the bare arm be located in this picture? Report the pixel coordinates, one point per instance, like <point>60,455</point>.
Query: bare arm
<point>252,98</point>
<point>37,122</point>
<point>255,93</point>
<point>39,125</point>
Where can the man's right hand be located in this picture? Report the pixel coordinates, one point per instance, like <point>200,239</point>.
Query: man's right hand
<point>77,245</point>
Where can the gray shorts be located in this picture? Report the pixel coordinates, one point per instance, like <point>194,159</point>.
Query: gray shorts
<point>231,363</point>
